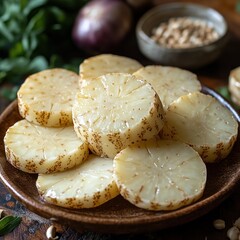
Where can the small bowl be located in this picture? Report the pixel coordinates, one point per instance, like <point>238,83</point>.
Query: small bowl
<point>189,58</point>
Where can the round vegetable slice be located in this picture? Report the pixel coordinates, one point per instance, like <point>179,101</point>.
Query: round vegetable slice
<point>115,111</point>
<point>160,175</point>
<point>234,85</point>
<point>202,122</point>
<point>36,149</point>
<point>46,97</point>
<point>86,186</point>
<point>170,83</point>
<point>107,63</point>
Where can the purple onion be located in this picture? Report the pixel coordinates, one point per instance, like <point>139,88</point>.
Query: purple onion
<point>101,25</point>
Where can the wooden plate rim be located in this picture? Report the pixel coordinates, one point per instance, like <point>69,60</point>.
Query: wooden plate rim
<point>129,224</point>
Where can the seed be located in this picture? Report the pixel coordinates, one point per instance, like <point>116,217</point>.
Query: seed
<point>237,223</point>
<point>233,233</point>
<point>159,31</point>
<point>219,224</point>
<point>187,32</point>
<point>51,233</point>
<point>1,213</point>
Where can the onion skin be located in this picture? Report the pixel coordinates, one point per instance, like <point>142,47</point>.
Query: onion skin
<point>101,25</point>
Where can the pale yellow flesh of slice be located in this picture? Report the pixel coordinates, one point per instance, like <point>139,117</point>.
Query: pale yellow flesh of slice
<point>46,98</point>
<point>161,175</point>
<point>234,85</point>
<point>202,122</point>
<point>86,186</point>
<point>36,149</point>
<point>169,82</point>
<point>115,111</point>
<point>102,64</point>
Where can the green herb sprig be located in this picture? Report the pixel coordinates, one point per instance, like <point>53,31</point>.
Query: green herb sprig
<point>224,91</point>
<point>36,35</point>
<point>8,223</point>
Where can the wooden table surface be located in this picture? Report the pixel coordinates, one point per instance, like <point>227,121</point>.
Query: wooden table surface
<point>214,76</point>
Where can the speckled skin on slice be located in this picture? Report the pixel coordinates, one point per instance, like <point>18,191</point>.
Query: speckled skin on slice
<point>202,122</point>
<point>115,111</point>
<point>36,149</point>
<point>102,64</point>
<point>170,83</point>
<point>86,186</point>
<point>160,175</point>
<point>46,97</point>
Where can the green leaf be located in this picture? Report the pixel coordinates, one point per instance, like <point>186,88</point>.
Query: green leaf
<point>18,68</point>
<point>224,91</point>
<point>19,64</point>
<point>11,9</point>
<point>8,223</point>
<point>55,61</point>
<point>9,93</point>
<point>58,14</point>
<point>2,76</point>
<point>16,50</point>
<point>33,5</point>
<point>33,42</point>
<point>39,63</point>
<point>30,34</point>
<point>23,4</point>
<point>14,26</point>
<point>73,65</point>
<point>36,23</point>
<point>4,31</point>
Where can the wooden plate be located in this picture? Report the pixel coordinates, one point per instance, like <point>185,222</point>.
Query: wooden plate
<point>117,215</point>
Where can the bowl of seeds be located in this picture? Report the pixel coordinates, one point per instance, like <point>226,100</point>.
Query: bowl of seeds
<point>184,35</point>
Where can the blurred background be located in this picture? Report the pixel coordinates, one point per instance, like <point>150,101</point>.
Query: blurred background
<point>41,34</point>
